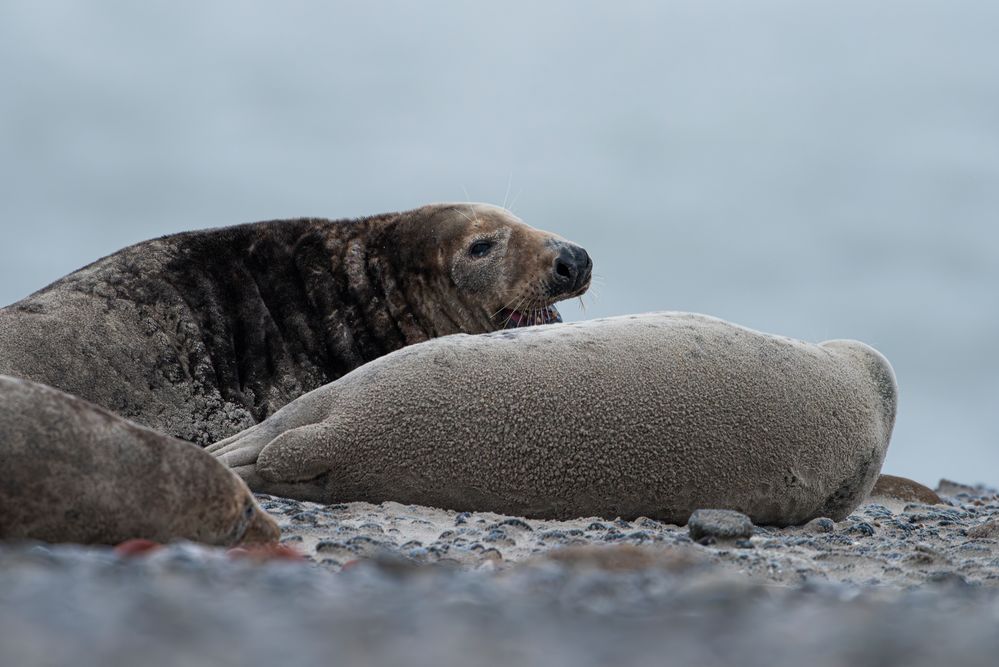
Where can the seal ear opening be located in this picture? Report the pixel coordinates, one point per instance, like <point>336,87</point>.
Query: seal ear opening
<point>298,455</point>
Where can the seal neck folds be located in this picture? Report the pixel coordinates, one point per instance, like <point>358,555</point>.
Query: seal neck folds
<point>283,307</point>
<point>286,306</point>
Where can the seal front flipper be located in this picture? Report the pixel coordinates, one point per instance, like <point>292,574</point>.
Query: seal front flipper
<point>244,447</point>
<point>298,455</point>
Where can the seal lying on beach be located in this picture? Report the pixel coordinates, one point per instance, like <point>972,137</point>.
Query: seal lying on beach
<point>655,415</point>
<point>202,334</point>
<point>73,472</point>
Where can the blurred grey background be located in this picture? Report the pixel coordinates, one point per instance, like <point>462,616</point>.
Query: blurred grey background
<point>820,170</point>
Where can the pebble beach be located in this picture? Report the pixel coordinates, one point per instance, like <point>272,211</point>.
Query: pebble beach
<point>895,583</point>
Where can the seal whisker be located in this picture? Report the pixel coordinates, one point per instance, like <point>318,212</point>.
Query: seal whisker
<point>507,319</point>
<point>514,202</point>
<point>464,215</point>
<point>508,304</point>
<point>513,312</point>
<point>519,310</point>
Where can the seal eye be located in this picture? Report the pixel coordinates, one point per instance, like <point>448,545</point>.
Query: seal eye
<point>480,248</point>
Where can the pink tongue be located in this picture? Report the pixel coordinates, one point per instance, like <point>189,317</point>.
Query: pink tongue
<point>516,318</point>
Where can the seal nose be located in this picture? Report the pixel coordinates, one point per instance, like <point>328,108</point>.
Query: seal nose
<point>572,267</point>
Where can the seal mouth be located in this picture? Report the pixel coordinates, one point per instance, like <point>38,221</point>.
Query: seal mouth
<point>513,319</point>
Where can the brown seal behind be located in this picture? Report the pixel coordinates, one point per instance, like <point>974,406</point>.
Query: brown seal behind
<point>73,472</point>
<point>651,415</point>
<point>202,334</point>
<point>903,489</point>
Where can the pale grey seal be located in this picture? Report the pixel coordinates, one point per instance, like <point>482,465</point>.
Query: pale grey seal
<point>656,415</point>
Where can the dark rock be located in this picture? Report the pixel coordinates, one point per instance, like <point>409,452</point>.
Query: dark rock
<point>366,546</point>
<point>498,536</point>
<point>984,531</point>
<point>861,528</point>
<point>329,546</point>
<point>639,536</point>
<point>876,511</point>
<point>516,523</point>
<point>720,524</point>
<point>820,525</point>
<point>948,488</point>
<point>945,578</point>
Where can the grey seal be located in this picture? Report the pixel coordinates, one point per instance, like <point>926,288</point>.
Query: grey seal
<point>647,415</point>
<point>74,472</point>
<point>202,334</point>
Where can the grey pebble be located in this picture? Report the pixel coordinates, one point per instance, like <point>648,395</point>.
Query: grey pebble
<point>719,524</point>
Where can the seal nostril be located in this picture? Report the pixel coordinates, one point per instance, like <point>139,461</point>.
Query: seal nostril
<point>562,269</point>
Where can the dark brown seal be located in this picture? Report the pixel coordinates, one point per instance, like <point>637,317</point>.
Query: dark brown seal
<point>203,334</point>
<point>904,489</point>
<point>73,472</point>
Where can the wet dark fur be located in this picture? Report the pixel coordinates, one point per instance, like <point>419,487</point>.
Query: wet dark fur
<point>241,319</point>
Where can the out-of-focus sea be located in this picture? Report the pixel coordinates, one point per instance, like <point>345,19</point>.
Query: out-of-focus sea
<point>820,170</point>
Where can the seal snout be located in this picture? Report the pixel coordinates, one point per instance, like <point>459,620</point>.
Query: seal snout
<point>571,269</point>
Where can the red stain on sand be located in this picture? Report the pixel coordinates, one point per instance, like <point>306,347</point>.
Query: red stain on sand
<point>265,552</point>
<point>137,547</point>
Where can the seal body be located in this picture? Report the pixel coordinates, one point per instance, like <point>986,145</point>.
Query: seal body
<point>648,415</point>
<point>73,472</point>
<point>902,490</point>
<point>202,334</point>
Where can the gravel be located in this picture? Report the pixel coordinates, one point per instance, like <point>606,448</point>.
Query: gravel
<point>393,584</point>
